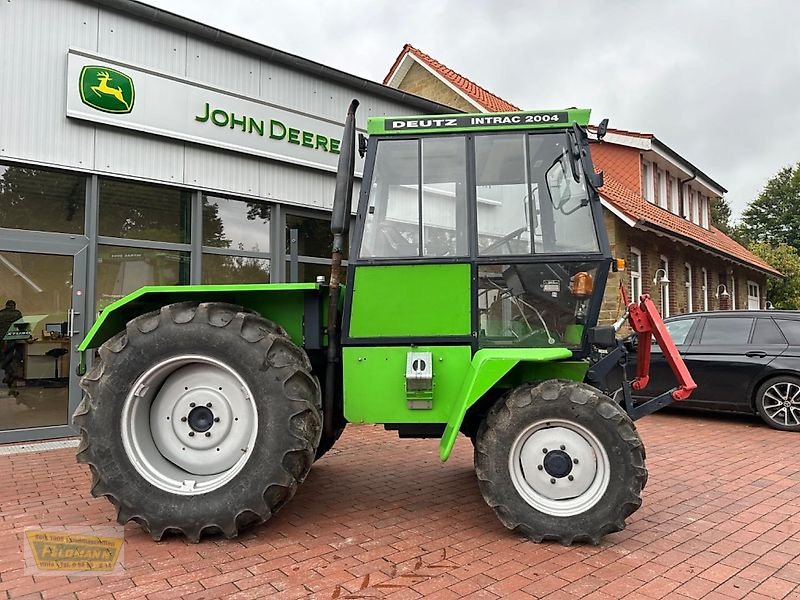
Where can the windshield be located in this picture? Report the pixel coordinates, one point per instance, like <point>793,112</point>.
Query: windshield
<point>529,198</point>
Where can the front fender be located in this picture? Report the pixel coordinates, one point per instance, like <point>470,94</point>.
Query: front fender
<point>488,366</point>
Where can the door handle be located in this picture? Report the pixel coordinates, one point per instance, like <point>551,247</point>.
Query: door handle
<point>755,354</point>
<point>71,331</point>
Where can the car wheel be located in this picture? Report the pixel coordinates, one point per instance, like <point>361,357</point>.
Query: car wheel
<point>778,402</point>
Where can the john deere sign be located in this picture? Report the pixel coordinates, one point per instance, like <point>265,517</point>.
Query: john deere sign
<point>106,89</point>
<point>120,95</point>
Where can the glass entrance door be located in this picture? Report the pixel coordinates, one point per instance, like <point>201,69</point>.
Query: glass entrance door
<point>41,322</point>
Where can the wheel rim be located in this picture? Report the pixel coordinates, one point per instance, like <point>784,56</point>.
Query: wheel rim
<point>781,403</point>
<point>189,424</point>
<point>559,467</point>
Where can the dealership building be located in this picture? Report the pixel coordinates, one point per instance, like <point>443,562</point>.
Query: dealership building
<point>138,147</point>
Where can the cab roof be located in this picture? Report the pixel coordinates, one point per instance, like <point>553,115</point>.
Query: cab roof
<point>540,119</point>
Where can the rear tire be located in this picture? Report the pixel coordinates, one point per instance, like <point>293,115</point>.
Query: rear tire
<point>199,418</point>
<point>560,461</point>
<point>778,402</point>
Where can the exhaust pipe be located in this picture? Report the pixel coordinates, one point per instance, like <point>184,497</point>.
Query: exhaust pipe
<point>340,225</point>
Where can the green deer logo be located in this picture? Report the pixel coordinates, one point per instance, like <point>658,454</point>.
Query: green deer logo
<point>106,89</point>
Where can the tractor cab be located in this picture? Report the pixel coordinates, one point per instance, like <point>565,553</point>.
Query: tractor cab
<point>505,209</point>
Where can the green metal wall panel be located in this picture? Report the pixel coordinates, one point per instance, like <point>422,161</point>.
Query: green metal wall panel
<point>375,383</point>
<point>411,300</point>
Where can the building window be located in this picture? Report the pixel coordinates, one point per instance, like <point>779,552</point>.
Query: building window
<point>314,245</point>
<point>636,274</point>
<point>704,209</point>
<point>662,190</point>
<point>40,200</point>
<point>753,296</point>
<point>135,211</point>
<point>674,205</point>
<point>124,269</point>
<point>689,287</point>
<point>705,289</point>
<point>685,202</point>
<point>144,233</point>
<point>698,199</point>
<point>236,241</point>
<point>662,281</point>
<point>733,291</point>
<point>647,181</point>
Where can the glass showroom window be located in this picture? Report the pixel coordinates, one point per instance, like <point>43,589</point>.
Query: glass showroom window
<point>236,241</point>
<point>136,211</point>
<point>144,235</point>
<point>314,245</point>
<point>40,200</point>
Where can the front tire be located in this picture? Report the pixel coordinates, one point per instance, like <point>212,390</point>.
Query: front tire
<point>560,461</point>
<point>778,402</point>
<point>199,418</point>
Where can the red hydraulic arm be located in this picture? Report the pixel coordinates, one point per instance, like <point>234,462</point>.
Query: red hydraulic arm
<point>645,321</point>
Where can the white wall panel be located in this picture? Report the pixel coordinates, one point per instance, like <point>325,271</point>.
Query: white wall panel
<point>141,43</point>
<point>300,186</point>
<point>34,37</point>
<point>139,155</point>
<point>222,170</point>
<point>297,185</point>
<point>222,68</point>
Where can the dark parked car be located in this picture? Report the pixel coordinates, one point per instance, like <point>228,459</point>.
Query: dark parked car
<point>742,361</point>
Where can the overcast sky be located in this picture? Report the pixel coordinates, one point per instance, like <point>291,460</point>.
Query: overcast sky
<point>717,81</point>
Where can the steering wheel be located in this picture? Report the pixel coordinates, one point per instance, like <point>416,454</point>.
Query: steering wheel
<point>504,240</point>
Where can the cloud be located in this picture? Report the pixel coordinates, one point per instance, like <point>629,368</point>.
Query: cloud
<point>717,80</point>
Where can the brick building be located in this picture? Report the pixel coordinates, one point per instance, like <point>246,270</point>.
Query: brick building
<point>657,208</point>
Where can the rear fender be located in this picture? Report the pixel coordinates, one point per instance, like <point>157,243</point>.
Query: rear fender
<point>487,368</point>
<point>296,307</point>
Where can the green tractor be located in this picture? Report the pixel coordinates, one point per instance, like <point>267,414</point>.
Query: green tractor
<point>469,305</point>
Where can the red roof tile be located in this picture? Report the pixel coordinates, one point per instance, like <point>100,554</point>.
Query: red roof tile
<point>491,102</point>
<point>637,208</point>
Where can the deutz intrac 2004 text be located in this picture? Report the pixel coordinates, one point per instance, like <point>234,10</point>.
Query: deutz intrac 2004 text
<point>469,305</point>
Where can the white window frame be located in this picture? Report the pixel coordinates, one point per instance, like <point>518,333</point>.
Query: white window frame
<point>705,290</point>
<point>689,287</point>
<point>757,297</point>
<point>664,289</point>
<point>733,291</point>
<point>704,213</point>
<point>662,189</point>
<point>647,181</point>
<point>698,198</point>
<point>636,276</point>
<point>675,204</point>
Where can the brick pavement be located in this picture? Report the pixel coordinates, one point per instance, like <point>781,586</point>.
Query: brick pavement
<point>380,517</point>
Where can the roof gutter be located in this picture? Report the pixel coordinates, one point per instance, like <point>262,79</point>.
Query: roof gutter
<point>145,12</point>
